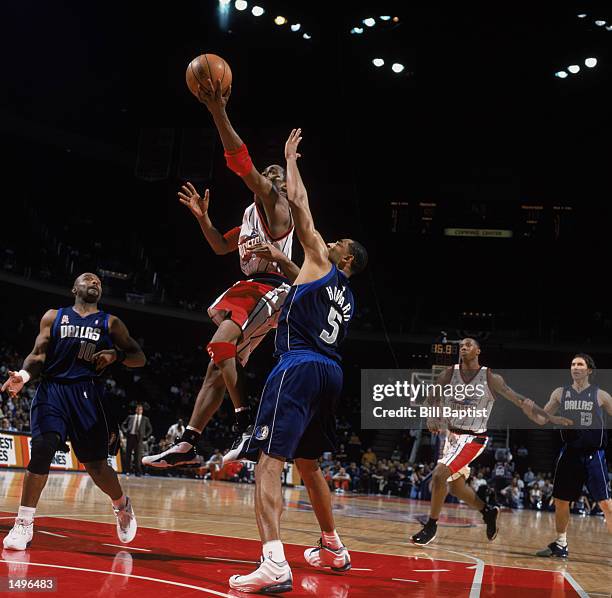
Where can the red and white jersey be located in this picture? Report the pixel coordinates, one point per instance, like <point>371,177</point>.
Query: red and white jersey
<point>254,231</point>
<point>481,400</point>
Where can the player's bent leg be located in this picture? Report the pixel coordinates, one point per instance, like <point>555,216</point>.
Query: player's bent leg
<point>44,447</point>
<point>490,515</point>
<point>330,552</point>
<point>273,576</point>
<point>105,477</point>
<point>439,490</point>
<point>558,548</point>
<point>208,401</point>
<point>606,507</point>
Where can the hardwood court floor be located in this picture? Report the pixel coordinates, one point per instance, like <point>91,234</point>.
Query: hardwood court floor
<point>193,535</point>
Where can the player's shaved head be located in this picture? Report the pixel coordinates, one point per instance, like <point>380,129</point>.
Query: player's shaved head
<point>87,287</point>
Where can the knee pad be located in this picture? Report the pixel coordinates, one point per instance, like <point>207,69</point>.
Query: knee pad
<point>43,450</point>
<point>221,351</point>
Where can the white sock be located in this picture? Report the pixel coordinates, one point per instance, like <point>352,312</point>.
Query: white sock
<point>26,513</point>
<point>331,539</point>
<point>120,502</point>
<point>562,539</point>
<point>274,550</point>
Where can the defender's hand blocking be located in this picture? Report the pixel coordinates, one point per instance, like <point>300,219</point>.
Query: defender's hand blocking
<point>191,198</point>
<point>292,144</point>
<point>268,252</point>
<point>13,385</point>
<point>214,100</point>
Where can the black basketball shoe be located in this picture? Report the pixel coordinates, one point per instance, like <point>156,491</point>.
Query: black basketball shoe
<point>490,517</point>
<point>426,535</point>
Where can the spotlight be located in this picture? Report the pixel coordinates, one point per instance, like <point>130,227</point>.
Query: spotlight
<point>397,67</point>
<point>295,27</point>
<point>600,23</point>
<point>561,74</point>
<point>396,19</point>
<point>241,4</point>
<point>609,28</point>
<point>257,11</point>
<point>590,62</point>
<point>573,68</point>
<point>370,22</point>
<point>280,20</point>
<point>357,30</point>
<point>378,62</point>
<point>582,15</point>
<point>307,36</point>
<point>224,2</point>
<point>385,18</point>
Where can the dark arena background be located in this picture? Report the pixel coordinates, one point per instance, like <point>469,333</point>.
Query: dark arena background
<point>474,166</point>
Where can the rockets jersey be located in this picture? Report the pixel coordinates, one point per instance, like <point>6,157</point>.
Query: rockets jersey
<point>253,231</point>
<point>481,402</point>
<point>74,340</point>
<point>316,315</point>
<point>584,410</point>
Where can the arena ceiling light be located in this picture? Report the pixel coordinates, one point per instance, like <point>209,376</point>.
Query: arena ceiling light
<point>573,68</point>
<point>561,74</point>
<point>396,67</point>
<point>600,23</point>
<point>295,27</point>
<point>385,18</point>
<point>378,62</point>
<point>357,30</point>
<point>609,28</point>
<point>581,15</point>
<point>369,22</point>
<point>241,4</point>
<point>590,62</point>
<point>280,20</point>
<point>307,36</point>
<point>224,2</point>
<point>257,11</point>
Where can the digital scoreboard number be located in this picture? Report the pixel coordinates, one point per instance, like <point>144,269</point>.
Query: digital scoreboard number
<point>444,353</point>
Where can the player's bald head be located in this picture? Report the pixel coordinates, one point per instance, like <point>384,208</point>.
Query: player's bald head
<point>87,287</point>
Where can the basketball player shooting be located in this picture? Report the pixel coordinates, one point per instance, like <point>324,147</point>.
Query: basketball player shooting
<point>466,439</point>
<point>295,419</point>
<point>248,310</point>
<point>583,456</point>
<point>74,346</point>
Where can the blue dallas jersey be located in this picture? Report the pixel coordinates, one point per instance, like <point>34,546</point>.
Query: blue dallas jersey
<point>584,410</point>
<point>73,342</point>
<point>315,316</point>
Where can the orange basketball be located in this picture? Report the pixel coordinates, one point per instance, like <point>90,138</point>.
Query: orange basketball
<point>207,66</point>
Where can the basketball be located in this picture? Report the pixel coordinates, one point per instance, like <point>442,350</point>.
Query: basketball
<point>206,66</point>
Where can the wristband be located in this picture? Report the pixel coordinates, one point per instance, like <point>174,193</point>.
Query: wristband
<point>25,376</point>
<point>121,355</point>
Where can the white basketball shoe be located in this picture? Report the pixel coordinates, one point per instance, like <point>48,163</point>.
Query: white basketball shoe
<point>126,522</point>
<point>269,578</point>
<point>20,536</point>
<point>338,560</point>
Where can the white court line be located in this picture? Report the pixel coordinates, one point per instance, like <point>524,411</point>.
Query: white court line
<point>126,547</point>
<point>478,573</point>
<point>41,531</point>
<point>155,579</point>
<point>355,569</point>
<point>575,585</point>
<point>399,579</point>
<point>432,570</point>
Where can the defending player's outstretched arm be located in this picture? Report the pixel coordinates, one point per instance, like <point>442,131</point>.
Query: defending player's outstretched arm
<point>316,261</point>
<point>527,406</point>
<point>34,362</point>
<point>236,153</point>
<point>198,206</point>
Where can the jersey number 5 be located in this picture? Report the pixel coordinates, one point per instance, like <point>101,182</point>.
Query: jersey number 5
<point>335,319</point>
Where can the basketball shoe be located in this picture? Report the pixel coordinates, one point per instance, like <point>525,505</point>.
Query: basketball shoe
<point>238,449</point>
<point>20,536</point>
<point>338,560</point>
<point>490,515</point>
<point>554,550</point>
<point>269,578</point>
<point>126,522</point>
<point>427,534</point>
<point>180,453</point>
